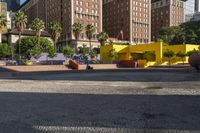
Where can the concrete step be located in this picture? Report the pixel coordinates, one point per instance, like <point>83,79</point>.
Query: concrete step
<point>35,68</point>
<point>99,66</point>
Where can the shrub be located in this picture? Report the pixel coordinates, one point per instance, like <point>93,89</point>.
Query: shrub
<point>5,51</point>
<point>169,54</point>
<point>181,55</point>
<point>93,53</point>
<point>112,54</point>
<point>84,50</point>
<point>29,47</point>
<point>68,51</point>
<point>149,56</point>
<point>194,51</point>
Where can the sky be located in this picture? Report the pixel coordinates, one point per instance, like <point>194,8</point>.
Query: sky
<point>22,1</point>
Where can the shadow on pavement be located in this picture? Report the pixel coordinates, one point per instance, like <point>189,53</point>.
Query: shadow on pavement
<point>21,112</point>
<point>115,76</point>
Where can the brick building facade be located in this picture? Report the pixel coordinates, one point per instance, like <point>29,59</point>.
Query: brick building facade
<point>67,12</point>
<point>128,20</point>
<point>166,13</point>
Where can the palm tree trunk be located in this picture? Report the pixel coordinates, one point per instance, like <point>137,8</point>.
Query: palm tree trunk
<point>20,47</point>
<point>0,37</point>
<point>76,47</point>
<point>90,45</point>
<point>38,38</point>
<point>55,42</point>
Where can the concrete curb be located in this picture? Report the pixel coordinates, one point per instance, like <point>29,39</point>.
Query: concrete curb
<point>24,74</point>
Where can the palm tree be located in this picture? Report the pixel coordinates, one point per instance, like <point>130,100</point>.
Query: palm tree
<point>38,25</point>
<point>89,32</point>
<point>3,24</point>
<point>77,29</point>
<point>102,37</point>
<point>20,20</point>
<point>56,30</point>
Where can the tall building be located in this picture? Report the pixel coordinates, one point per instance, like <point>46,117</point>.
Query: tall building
<point>166,13</point>
<point>197,6</point>
<point>13,5</point>
<point>35,9</point>
<point>189,9</point>
<point>128,20</point>
<point>67,13</point>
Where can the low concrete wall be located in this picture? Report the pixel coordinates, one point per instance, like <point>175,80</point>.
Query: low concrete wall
<point>35,68</point>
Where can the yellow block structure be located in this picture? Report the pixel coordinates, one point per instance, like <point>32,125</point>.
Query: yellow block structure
<point>125,52</point>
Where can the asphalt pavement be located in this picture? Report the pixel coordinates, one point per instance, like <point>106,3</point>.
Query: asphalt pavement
<point>125,102</point>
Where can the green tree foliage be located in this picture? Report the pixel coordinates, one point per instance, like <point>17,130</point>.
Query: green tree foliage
<point>149,56</point>
<point>77,30</point>
<point>84,50</point>
<point>20,20</point>
<point>51,51</point>
<point>56,31</point>
<point>3,22</point>
<point>38,25</point>
<point>187,33</point>
<point>93,53</point>
<point>29,47</point>
<point>102,38</point>
<point>112,54</point>
<point>181,55</point>
<point>5,51</point>
<point>90,29</point>
<point>194,51</point>
<point>68,51</point>
<point>169,54</point>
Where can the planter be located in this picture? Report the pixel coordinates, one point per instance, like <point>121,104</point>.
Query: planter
<point>142,63</point>
<point>194,61</point>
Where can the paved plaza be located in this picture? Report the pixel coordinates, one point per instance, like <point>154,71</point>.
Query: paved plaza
<point>101,102</point>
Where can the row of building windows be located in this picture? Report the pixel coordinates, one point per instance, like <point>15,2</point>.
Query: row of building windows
<point>140,40</point>
<point>82,16</point>
<point>80,10</point>
<point>87,4</point>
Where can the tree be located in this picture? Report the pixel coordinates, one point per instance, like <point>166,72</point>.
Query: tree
<point>51,51</point>
<point>93,53</point>
<point>194,51</point>
<point>77,29</point>
<point>30,50</point>
<point>84,50</point>
<point>38,25</point>
<point>191,37</point>
<point>20,20</point>
<point>171,35</point>
<point>3,24</point>
<point>68,51</point>
<point>36,52</point>
<point>90,29</point>
<point>112,54</point>
<point>5,51</point>
<point>149,55</point>
<point>169,54</point>
<point>56,31</point>
<point>181,55</point>
<point>102,38</point>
